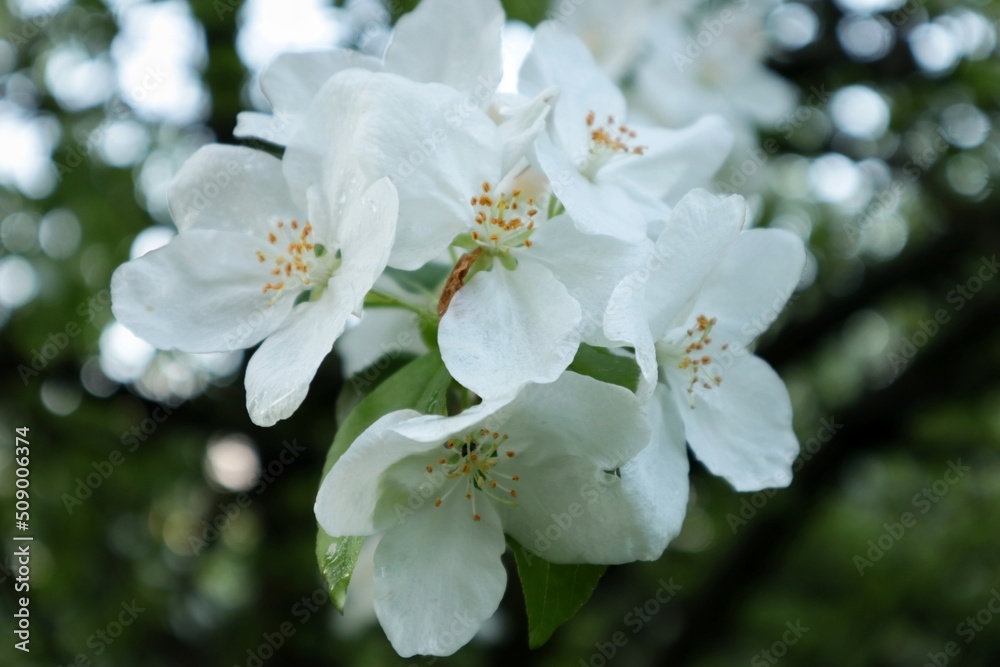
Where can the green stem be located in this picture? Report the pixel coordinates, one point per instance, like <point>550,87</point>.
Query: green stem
<point>377,297</point>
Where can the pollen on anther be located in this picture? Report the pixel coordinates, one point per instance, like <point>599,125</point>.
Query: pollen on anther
<point>516,478</point>
<point>486,186</point>
<point>272,237</point>
<point>430,468</point>
<point>437,503</point>
<point>476,517</point>
<point>468,496</point>
<point>510,455</point>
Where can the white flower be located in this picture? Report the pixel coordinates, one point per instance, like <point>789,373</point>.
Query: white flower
<point>250,265</point>
<point>452,42</point>
<point>691,72</point>
<point>459,174</point>
<point>612,177</point>
<point>446,489</point>
<point>614,32</point>
<point>707,293</point>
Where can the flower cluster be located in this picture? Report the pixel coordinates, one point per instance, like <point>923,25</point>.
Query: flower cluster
<point>552,220</point>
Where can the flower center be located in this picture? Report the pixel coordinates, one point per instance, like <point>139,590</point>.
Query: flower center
<point>691,355</point>
<point>504,221</point>
<point>474,459</point>
<point>296,263</point>
<point>608,142</point>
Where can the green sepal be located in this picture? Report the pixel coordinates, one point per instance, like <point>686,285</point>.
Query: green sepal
<point>508,261</point>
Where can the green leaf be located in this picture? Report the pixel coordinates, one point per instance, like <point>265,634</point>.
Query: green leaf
<point>420,385</point>
<point>364,382</point>
<point>552,593</point>
<point>602,365</point>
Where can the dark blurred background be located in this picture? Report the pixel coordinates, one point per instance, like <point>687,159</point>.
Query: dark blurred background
<point>884,551</point>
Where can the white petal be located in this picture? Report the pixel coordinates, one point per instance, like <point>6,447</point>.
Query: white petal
<point>437,429</point>
<point>289,83</point>
<point>590,267</point>
<point>351,492</point>
<point>202,292</point>
<point>273,129</point>
<point>626,323</point>
<point>281,369</point>
<point>575,416</point>
<point>438,577</point>
<point>742,429</point>
<point>366,235</point>
<point>750,287</point>
<point>674,161</point>
<point>573,512</point>
<point>655,482</point>
<point>505,329</point>
<point>292,79</point>
<point>231,188</point>
<point>699,234</point>
<point>569,437</point>
<point>596,208</point>
<point>437,154</point>
<point>454,42</point>
<point>520,125</point>
<point>559,58</point>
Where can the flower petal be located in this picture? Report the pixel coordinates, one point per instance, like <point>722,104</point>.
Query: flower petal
<point>505,329</point>
<point>626,323</point>
<point>273,129</point>
<point>699,234</point>
<point>438,577</point>
<point>292,79</point>
<point>454,42</point>
<point>748,290</point>
<point>366,233</point>
<point>437,154</point>
<point>231,188</point>
<point>519,125</point>
<point>202,292</point>
<point>569,437</point>
<point>279,373</point>
<point>674,161</point>
<point>575,416</point>
<point>289,83</point>
<point>742,429</point>
<point>574,512</point>
<point>596,208</point>
<point>350,495</point>
<point>559,58</point>
<point>590,267</point>
<point>655,482</point>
